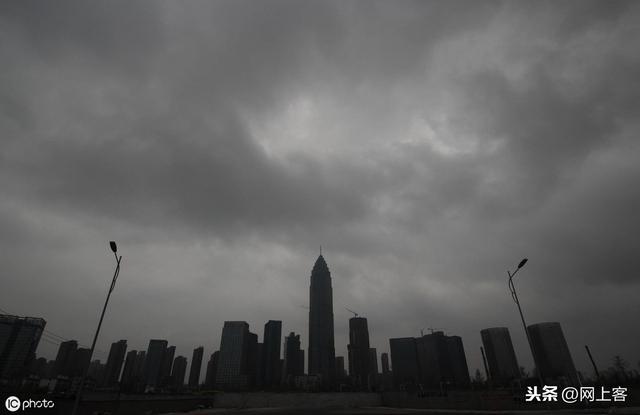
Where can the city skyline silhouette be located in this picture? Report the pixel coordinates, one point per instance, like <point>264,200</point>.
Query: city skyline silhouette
<point>427,147</point>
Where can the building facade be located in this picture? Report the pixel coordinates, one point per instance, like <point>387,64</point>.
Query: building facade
<point>552,354</point>
<point>321,342</point>
<point>358,349</point>
<point>19,339</point>
<point>196,366</point>
<point>501,357</point>
<point>114,363</point>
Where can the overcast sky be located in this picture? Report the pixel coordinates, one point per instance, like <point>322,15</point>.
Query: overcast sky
<point>427,146</point>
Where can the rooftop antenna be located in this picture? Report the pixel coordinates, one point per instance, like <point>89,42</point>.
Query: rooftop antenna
<point>320,250</point>
<point>351,311</point>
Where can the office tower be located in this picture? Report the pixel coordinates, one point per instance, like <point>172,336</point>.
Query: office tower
<point>358,349</point>
<point>457,362</point>
<point>293,364</point>
<point>81,361</point>
<point>19,338</point>
<point>153,364</point>
<point>254,360</point>
<point>167,364</point>
<point>96,371</point>
<point>38,367</point>
<point>127,381</point>
<point>271,347</point>
<point>65,359</point>
<point>179,371</point>
<point>196,365</point>
<point>404,358</point>
<point>501,357</point>
<point>442,361</point>
<point>385,363</point>
<point>233,361</point>
<point>373,361</point>
<point>212,369</point>
<point>322,356</point>
<point>114,363</point>
<point>340,373</point>
<point>550,349</point>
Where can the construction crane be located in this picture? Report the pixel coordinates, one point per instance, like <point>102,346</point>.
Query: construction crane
<point>431,329</point>
<point>351,311</point>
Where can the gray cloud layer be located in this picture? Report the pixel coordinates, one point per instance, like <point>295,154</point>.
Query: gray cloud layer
<point>427,146</point>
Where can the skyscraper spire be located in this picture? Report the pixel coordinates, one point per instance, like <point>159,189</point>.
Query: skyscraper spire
<point>321,344</point>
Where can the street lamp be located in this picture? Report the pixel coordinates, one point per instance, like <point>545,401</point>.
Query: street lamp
<point>512,288</point>
<point>114,249</point>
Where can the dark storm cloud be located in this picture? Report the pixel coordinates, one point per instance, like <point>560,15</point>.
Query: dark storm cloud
<point>427,145</point>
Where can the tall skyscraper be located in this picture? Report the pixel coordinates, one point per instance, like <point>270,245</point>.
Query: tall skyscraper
<point>340,372</point>
<point>212,369</point>
<point>19,338</point>
<point>233,362</point>
<point>271,352</point>
<point>404,357</point>
<point>179,371</point>
<point>322,355</point>
<point>127,381</point>
<point>373,361</point>
<point>153,364</point>
<point>65,359</point>
<point>196,365</point>
<point>167,365</point>
<point>358,349</point>
<point>293,364</point>
<point>552,353</point>
<point>384,358</point>
<point>501,358</point>
<point>114,363</point>
<point>442,360</point>
<point>81,361</point>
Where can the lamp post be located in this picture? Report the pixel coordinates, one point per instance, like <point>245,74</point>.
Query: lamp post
<point>114,249</point>
<point>512,288</point>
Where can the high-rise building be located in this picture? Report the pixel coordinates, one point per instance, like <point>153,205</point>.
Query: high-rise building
<point>552,354</point>
<point>384,358</point>
<point>358,349</point>
<point>96,371</point>
<point>293,359</point>
<point>254,360</point>
<point>373,361</point>
<point>65,359</point>
<point>19,338</point>
<point>167,365</point>
<point>340,372</point>
<point>442,361</point>
<point>457,362</point>
<point>404,357</point>
<point>81,361</point>
<point>212,369</point>
<point>501,357</point>
<point>233,362</point>
<point>322,356</point>
<point>127,381</point>
<point>179,371</point>
<point>271,352</point>
<point>114,363</point>
<point>196,365</point>
<point>153,364</point>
